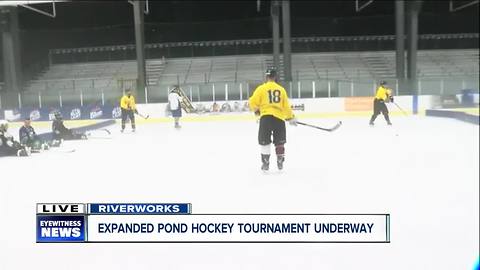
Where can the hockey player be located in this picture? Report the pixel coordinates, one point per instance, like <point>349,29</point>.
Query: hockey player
<point>174,104</point>
<point>127,104</point>
<point>383,95</point>
<point>270,102</point>
<point>8,146</point>
<point>60,132</point>
<point>28,137</point>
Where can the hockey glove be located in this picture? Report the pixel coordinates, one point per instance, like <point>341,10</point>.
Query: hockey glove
<point>292,121</point>
<point>9,143</point>
<point>391,99</point>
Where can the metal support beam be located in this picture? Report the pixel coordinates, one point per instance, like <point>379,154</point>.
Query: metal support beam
<point>138,10</point>
<point>413,11</point>
<point>9,30</point>
<point>400,43</point>
<point>287,41</point>
<point>452,7</point>
<point>359,7</point>
<point>275,13</point>
<point>51,15</point>
<point>147,6</point>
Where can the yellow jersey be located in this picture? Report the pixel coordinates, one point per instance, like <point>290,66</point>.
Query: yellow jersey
<point>383,93</point>
<point>270,98</point>
<point>128,103</point>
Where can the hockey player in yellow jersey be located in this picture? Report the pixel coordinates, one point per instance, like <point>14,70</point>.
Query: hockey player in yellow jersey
<point>128,106</point>
<point>270,102</point>
<point>382,96</point>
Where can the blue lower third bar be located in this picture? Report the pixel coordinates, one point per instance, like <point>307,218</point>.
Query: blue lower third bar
<point>61,228</point>
<point>139,208</point>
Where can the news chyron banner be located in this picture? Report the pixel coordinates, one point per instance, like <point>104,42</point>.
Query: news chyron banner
<point>175,223</point>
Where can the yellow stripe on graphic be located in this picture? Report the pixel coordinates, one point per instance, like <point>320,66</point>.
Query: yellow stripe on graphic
<point>214,118</point>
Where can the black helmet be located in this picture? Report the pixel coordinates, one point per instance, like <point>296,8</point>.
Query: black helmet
<point>3,125</point>
<point>175,89</point>
<point>58,115</point>
<point>271,72</point>
<point>383,82</point>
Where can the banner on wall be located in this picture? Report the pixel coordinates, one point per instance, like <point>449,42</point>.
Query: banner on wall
<point>13,115</point>
<point>89,112</point>
<point>230,106</point>
<point>356,104</point>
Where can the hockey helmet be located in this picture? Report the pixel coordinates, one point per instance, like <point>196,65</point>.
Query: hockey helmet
<point>3,125</point>
<point>58,115</point>
<point>175,89</point>
<point>271,72</point>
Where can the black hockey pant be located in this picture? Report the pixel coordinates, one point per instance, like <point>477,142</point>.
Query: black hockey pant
<point>379,107</point>
<point>128,114</point>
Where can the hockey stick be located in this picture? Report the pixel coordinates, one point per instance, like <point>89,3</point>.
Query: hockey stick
<point>90,136</point>
<point>93,134</point>
<point>321,128</point>
<point>60,150</point>
<point>400,109</point>
<point>100,129</point>
<point>143,116</point>
<point>106,130</point>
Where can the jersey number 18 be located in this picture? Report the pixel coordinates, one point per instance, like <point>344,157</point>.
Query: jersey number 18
<point>274,96</point>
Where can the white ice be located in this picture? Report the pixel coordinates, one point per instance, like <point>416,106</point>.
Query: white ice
<point>423,171</point>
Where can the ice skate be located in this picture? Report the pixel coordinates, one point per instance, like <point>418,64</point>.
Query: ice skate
<point>25,152</point>
<point>55,143</point>
<point>265,166</point>
<point>45,146</point>
<point>280,161</point>
<point>265,162</point>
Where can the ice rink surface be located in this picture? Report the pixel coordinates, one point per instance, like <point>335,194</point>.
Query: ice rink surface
<point>423,171</point>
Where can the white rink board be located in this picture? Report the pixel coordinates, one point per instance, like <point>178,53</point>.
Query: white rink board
<point>241,228</point>
<point>312,105</point>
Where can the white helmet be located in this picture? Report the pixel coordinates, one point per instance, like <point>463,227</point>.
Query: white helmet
<point>3,125</point>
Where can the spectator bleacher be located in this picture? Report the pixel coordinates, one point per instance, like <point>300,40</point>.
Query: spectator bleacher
<point>335,74</point>
<point>338,66</point>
